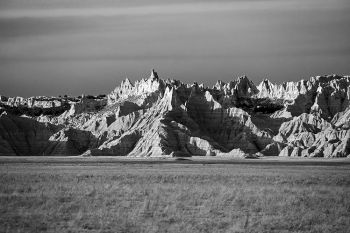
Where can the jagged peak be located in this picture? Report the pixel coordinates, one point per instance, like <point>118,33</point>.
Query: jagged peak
<point>327,78</point>
<point>219,85</point>
<point>245,87</point>
<point>169,92</point>
<point>155,115</point>
<point>243,77</point>
<point>266,80</point>
<point>154,75</point>
<point>127,82</point>
<point>174,82</point>
<point>265,84</point>
<point>194,86</point>
<point>245,80</point>
<point>170,99</point>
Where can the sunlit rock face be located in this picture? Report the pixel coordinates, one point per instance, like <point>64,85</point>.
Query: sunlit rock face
<point>325,95</point>
<point>156,117</point>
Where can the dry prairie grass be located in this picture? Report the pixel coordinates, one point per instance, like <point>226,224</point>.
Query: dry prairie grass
<point>173,198</point>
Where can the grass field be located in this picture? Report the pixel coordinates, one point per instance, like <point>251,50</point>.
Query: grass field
<point>174,197</point>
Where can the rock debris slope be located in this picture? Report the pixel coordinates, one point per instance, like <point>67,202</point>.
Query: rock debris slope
<point>155,117</point>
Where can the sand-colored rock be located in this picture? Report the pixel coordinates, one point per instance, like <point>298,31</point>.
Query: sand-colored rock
<point>157,117</point>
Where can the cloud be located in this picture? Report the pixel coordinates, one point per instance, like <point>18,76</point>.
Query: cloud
<point>121,11</point>
<point>166,9</point>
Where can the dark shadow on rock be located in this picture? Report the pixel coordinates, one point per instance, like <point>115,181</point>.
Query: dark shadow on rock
<point>24,136</point>
<point>264,122</point>
<point>215,125</point>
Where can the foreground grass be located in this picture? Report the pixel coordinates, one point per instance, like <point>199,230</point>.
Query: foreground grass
<point>173,198</point>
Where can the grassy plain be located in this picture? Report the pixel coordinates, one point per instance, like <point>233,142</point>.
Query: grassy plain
<point>180,196</point>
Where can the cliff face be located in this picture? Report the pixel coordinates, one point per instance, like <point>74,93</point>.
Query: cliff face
<point>159,118</point>
<point>25,136</point>
<point>323,95</point>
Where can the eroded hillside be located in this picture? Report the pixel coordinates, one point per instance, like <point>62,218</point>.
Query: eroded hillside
<point>154,117</point>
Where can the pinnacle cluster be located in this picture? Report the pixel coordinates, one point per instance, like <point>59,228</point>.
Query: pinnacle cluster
<point>156,117</point>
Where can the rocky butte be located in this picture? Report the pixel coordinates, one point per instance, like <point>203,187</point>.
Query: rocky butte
<point>154,117</point>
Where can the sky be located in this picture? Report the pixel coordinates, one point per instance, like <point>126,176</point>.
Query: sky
<point>58,47</point>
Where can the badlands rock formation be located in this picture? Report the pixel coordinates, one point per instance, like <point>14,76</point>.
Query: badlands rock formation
<point>155,117</point>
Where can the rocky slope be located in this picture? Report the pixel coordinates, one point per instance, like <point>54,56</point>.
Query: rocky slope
<point>155,117</point>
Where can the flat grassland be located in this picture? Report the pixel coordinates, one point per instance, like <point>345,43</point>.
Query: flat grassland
<point>95,195</point>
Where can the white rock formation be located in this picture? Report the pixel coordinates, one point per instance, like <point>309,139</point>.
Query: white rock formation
<point>326,95</point>
<point>154,117</point>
